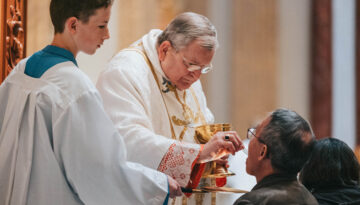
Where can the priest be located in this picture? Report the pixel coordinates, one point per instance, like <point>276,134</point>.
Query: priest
<point>153,94</point>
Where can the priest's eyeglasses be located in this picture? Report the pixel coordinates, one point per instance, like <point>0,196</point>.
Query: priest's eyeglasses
<point>192,67</point>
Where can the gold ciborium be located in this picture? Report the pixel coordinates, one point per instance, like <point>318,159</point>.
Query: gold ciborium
<point>203,134</point>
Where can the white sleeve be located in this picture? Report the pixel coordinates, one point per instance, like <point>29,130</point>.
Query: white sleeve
<point>93,156</point>
<point>127,100</point>
<point>132,99</point>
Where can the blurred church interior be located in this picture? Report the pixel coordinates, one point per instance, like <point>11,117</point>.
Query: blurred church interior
<point>303,55</point>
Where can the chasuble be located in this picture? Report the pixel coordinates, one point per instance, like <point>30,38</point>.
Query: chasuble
<point>156,119</point>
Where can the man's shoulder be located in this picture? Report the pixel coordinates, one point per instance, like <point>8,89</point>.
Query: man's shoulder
<point>259,194</point>
<point>246,199</point>
<point>278,195</point>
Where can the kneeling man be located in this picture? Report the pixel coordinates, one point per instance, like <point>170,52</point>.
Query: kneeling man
<point>279,147</point>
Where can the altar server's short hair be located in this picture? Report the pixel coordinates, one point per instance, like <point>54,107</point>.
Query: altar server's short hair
<point>187,27</point>
<point>61,10</point>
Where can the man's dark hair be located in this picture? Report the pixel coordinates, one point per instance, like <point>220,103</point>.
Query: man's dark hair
<point>289,139</point>
<point>61,10</point>
<point>332,163</point>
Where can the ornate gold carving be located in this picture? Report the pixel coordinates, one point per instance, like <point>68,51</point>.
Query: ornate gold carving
<point>188,114</point>
<point>14,34</point>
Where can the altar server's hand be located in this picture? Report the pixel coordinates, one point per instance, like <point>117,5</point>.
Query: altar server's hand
<point>221,144</point>
<point>174,188</point>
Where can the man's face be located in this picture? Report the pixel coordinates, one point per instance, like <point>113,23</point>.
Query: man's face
<point>175,64</point>
<point>256,148</point>
<point>90,36</point>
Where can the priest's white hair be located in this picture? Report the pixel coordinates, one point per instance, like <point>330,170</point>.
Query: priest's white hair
<point>187,27</point>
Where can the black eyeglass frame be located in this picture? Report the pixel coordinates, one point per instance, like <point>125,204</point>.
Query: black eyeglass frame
<point>250,130</point>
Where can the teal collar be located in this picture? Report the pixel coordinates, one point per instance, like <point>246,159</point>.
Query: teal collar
<point>60,52</point>
<point>46,58</point>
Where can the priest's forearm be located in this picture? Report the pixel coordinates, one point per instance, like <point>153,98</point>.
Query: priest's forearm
<point>179,161</point>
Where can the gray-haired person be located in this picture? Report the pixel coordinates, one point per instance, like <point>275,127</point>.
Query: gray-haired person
<point>152,92</point>
<point>278,149</point>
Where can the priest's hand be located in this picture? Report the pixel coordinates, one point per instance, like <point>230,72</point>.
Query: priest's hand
<point>174,188</point>
<point>220,145</point>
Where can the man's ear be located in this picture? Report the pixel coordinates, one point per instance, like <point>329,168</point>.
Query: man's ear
<point>263,152</point>
<point>71,24</point>
<point>163,49</point>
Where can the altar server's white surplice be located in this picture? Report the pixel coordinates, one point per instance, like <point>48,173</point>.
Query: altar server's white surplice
<point>57,145</point>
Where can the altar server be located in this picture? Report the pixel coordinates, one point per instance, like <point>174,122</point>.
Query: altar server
<point>57,144</point>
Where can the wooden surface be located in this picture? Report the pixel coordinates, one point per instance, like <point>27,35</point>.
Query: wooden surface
<point>358,75</point>
<point>321,71</point>
<point>13,35</point>
<point>2,40</point>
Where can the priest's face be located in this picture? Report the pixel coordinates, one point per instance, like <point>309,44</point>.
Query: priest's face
<point>90,36</point>
<point>178,66</point>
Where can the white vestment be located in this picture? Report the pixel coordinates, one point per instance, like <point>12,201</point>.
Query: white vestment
<point>141,111</point>
<point>58,146</point>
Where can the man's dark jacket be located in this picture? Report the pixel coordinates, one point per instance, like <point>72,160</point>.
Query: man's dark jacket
<point>278,189</point>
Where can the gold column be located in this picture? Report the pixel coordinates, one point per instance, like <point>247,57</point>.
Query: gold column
<point>168,9</point>
<point>254,70</point>
<point>198,6</point>
<point>39,26</point>
<point>137,17</point>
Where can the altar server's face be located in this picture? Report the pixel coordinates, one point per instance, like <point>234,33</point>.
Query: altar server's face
<point>90,36</point>
<point>176,64</point>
